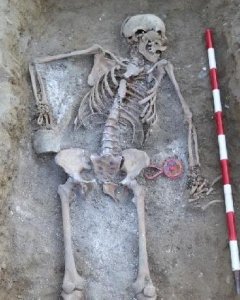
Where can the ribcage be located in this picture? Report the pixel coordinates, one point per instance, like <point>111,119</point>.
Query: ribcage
<point>138,108</point>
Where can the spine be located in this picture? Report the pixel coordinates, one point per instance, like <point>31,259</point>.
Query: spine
<point>111,134</point>
<point>110,139</point>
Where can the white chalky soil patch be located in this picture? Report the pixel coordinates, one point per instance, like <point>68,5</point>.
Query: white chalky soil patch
<point>63,80</point>
<point>105,236</point>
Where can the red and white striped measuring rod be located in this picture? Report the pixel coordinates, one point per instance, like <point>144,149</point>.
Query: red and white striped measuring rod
<point>227,188</point>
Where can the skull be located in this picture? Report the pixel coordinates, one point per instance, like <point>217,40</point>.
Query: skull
<point>148,31</point>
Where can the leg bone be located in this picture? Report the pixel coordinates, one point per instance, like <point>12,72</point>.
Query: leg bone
<point>73,283</point>
<point>143,286</point>
<point>134,161</point>
<point>73,161</point>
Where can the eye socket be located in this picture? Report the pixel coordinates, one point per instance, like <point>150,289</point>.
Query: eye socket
<point>130,37</point>
<point>140,31</point>
<point>158,52</point>
<point>159,32</point>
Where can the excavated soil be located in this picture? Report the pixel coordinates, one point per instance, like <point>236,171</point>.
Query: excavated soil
<point>187,246</point>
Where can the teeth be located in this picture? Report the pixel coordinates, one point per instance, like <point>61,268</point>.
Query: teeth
<point>149,48</point>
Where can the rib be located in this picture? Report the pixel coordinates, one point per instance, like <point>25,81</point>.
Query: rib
<point>82,109</point>
<point>150,109</point>
<point>154,88</point>
<point>148,114</point>
<point>132,105</point>
<point>107,87</point>
<point>145,110</point>
<point>146,99</point>
<point>133,95</point>
<point>113,77</point>
<point>97,96</point>
<point>131,86</point>
<point>133,121</point>
<point>148,120</point>
<point>92,104</point>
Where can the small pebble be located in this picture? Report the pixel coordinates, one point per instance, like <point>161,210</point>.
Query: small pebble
<point>200,275</point>
<point>3,266</point>
<point>228,279</point>
<point>202,74</point>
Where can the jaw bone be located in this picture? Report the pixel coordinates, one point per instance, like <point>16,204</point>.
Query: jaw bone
<point>148,32</point>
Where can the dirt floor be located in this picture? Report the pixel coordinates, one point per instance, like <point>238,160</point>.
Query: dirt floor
<point>187,246</point>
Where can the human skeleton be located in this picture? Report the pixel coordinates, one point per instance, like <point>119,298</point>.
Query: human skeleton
<point>126,91</point>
